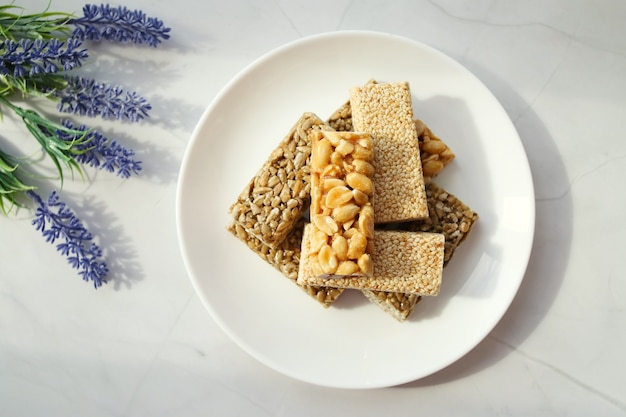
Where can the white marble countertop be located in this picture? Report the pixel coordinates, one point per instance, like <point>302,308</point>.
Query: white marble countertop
<point>144,345</point>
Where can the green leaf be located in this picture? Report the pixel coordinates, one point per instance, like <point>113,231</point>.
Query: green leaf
<point>44,25</point>
<point>10,183</point>
<point>61,152</point>
<point>42,85</point>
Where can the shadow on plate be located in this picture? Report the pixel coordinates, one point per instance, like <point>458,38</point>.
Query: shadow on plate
<point>549,257</point>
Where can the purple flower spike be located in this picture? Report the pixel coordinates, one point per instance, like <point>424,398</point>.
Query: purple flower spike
<point>56,221</point>
<point>30,58</point>
<point>84,96</point>
<point>118,24</point>
<point>97,151</point>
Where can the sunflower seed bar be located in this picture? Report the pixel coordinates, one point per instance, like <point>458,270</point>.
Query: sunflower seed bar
<point>275,198</point>
<point>448,216</point>
<point>435,154</point>
<point>341,119</point>
<point>286,258</point>
<point>415,269</point>
<point>385,111</point>
<point>397,304</point>
<point>341,211</point>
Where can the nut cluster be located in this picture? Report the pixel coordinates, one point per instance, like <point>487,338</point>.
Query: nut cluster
<point>434,152</point>
<point>341,204</point>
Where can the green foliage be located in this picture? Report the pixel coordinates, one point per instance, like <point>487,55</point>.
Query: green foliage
<point>44,25</point>
<point>10,185</point>
<point>15,25</point>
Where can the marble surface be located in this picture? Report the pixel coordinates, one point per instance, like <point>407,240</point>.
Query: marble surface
<point>144,345</point>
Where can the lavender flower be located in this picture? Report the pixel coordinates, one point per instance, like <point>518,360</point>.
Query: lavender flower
<point>97,151</point>
<point>118,24</point>
<point>30,58</point>
<point>57,222</point>
<point>85,96</point>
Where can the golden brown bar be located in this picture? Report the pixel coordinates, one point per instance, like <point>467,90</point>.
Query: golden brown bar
<point>403,262</point>
<point>385,111</point>
<point>341,211</point>
<point>278,194</point>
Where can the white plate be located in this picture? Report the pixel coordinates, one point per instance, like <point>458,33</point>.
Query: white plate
<point>354,344</point>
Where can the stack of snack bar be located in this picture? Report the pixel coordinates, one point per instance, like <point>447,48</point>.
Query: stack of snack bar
<point>267,215</point>
<point>404,262</point>
<point>370,164</point>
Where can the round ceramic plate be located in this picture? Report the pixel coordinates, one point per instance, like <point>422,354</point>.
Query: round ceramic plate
<point>354,344</point>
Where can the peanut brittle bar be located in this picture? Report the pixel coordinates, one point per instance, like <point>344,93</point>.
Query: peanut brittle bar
<point>341,211</point>
<point>386,112</point>
<point>278,194</point>
<point>415,269</point>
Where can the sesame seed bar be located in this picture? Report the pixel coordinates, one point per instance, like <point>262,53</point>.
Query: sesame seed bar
<point>435,154</point>
<point>341,211</point>
<point>448,216</point>
<point>407,262</point>
<point>278,194</point>
<point>286,259</point>
<point>386,112</point>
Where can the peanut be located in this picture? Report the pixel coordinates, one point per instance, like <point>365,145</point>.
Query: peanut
<point>338,196</point>
<point>347,268</point>
<point>360,182</point>
<point>340,246</point>
<point>346,212</point>
<point>326,224</point>
<point>323,151</point>
<point>328,260</point>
